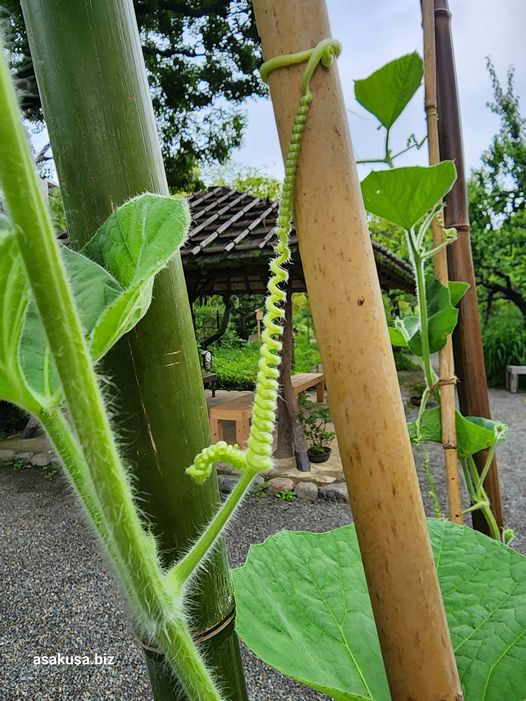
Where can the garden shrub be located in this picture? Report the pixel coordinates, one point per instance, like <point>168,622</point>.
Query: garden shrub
<point>504,341</point>
<point>306,354</point>
<point>236,362</point>
<point>236,365</point>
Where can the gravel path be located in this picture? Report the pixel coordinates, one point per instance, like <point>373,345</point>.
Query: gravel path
<point>58,597</point>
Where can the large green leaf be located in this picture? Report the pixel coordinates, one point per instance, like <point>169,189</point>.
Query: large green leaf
<point>387,91</point>
<point>111,279</point>
<point>14,296</point>
<point>474,433</point>
<point>134,244</point>
<point>442,318</point>
<point>405,195</point>
<point>94,290</point>
<point>484,587</point>
<point>303,607</point>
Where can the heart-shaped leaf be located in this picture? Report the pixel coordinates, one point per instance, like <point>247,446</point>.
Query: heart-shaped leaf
<point>442,318</point>
<point>94,290</point>
<point>303,607</point>
<point>473,433</point>
<point>387,91</point>
<point>405,195</point>
<point>134,244</point>
<point>112,281</point>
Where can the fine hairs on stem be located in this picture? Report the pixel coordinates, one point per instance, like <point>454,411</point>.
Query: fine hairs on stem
<point>83,437</point>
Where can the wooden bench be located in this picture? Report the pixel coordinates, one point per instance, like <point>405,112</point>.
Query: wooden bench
<point>512,377</point>
<point>303,381</point>
<point>238,410</point>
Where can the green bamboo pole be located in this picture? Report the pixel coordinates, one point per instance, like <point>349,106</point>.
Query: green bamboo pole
<point>92,82</point>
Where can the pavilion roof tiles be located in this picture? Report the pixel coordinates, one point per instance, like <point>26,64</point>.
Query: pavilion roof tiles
<point>232,230</point>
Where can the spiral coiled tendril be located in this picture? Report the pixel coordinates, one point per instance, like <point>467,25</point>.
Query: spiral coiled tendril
<point>258,456</point>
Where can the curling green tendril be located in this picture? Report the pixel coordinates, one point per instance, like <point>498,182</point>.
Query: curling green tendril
<point>257,457</point>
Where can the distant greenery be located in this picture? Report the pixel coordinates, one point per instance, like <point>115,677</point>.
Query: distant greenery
<point>235,359</point>
<point>497,194</point>
<point>244,179</point>
<point>235,363</point>
<point>209,313</point>
<point>389,236</point>
<point>201,59</point>
<point>504,340</point>
<point>56,209</point>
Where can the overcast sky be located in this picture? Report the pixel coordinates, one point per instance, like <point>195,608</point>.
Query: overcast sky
<point>373,32</point>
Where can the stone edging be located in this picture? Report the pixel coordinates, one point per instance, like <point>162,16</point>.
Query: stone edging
<point>303,490</point>
<point>42,459</point>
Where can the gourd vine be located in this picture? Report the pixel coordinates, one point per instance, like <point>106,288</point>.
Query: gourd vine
<point>63,310</point>
<point>257,457</point>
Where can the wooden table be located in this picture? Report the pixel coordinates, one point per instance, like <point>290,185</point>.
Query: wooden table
<point>303,381</point>
<point>238,410</point>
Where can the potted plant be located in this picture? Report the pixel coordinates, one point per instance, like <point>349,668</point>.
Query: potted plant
<point>315,419</point>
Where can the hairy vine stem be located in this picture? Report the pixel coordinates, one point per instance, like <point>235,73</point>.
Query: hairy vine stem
<point>258,456</point>
<point>85,441</point>
<point>91,458</point>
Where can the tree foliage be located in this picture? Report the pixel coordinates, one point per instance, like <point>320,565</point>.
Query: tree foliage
<point>201,57</point>
<point>497,193</point>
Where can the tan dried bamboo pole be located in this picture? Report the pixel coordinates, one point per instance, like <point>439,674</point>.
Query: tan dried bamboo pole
<point>447,377</point>
<point>358,362</point>
<point>467,340</point>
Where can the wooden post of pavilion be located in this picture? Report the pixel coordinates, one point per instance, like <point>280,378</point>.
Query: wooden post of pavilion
<point>291,439</point>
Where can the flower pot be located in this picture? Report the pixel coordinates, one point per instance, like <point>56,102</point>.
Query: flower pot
<point>317,457</point>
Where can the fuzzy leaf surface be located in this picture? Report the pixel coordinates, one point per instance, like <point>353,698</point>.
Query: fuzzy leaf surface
<point>387,91</point>
<point>133,245</point>
<point>303,607</point>
<point>404,196</point>
<point>14,296</point>
<point>94,290</point>
<point>112,281</point>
